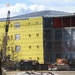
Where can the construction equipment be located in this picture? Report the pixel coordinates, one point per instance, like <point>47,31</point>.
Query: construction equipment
<point>4,43</point>
<point>5,39</point>
<point>61,64</point>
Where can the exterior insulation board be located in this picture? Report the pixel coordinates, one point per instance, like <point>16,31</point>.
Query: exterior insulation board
<point>25,39</point>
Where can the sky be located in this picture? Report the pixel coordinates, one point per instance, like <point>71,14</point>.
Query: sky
<point>19,7</point>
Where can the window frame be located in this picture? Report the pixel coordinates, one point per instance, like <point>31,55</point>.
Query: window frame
<point>17,25</point>
<point>17,36</point>
<point>16,48</point>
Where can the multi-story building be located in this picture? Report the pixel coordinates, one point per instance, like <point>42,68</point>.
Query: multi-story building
<point>43,36</point>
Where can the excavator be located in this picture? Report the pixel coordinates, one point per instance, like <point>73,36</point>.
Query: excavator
<point>3,58</point>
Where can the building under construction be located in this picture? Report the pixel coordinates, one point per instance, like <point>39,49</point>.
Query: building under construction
<point>44,36</point>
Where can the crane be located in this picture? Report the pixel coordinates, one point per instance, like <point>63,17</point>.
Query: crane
<point>5,39</point>
<point>4,43</point>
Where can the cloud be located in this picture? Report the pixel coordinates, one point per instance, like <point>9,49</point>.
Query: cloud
<point>35,7</point>
<point>15,10</point>
<point>54,2</point>
<point>21,8</point>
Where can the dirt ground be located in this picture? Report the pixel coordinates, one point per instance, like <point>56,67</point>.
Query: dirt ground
<point>40,73</point>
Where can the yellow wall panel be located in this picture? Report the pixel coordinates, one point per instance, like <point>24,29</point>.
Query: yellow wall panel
<point>30,42</point>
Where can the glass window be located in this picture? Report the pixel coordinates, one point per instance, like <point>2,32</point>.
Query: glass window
<point>73,55</point>
<point>73,34</point>
<point>28,23</point>
<point>73,21</point>
<point>57,46</point>
<point>17,37</point>
<point>48,46</point>
<point>17,25</point>
<point>30,47</point>
<point>17,48</point>
<point>57,22</point>
<point>58,34</point>
<point>66,46</point>
<point>58,55</point>
<point>29,35</point>
<point>37,34</point>
<point>66,22</point>
<point>48,34</point>
<point>66,34</point>
<point>30,58</point>
<point>73,40</point>
<point>47,22</point>
<point>50,57</point>
<point>37,46</point>
<point>46,57</point>
<point>73,46</point>
<point>38,58</point>
<point>70,55</point>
